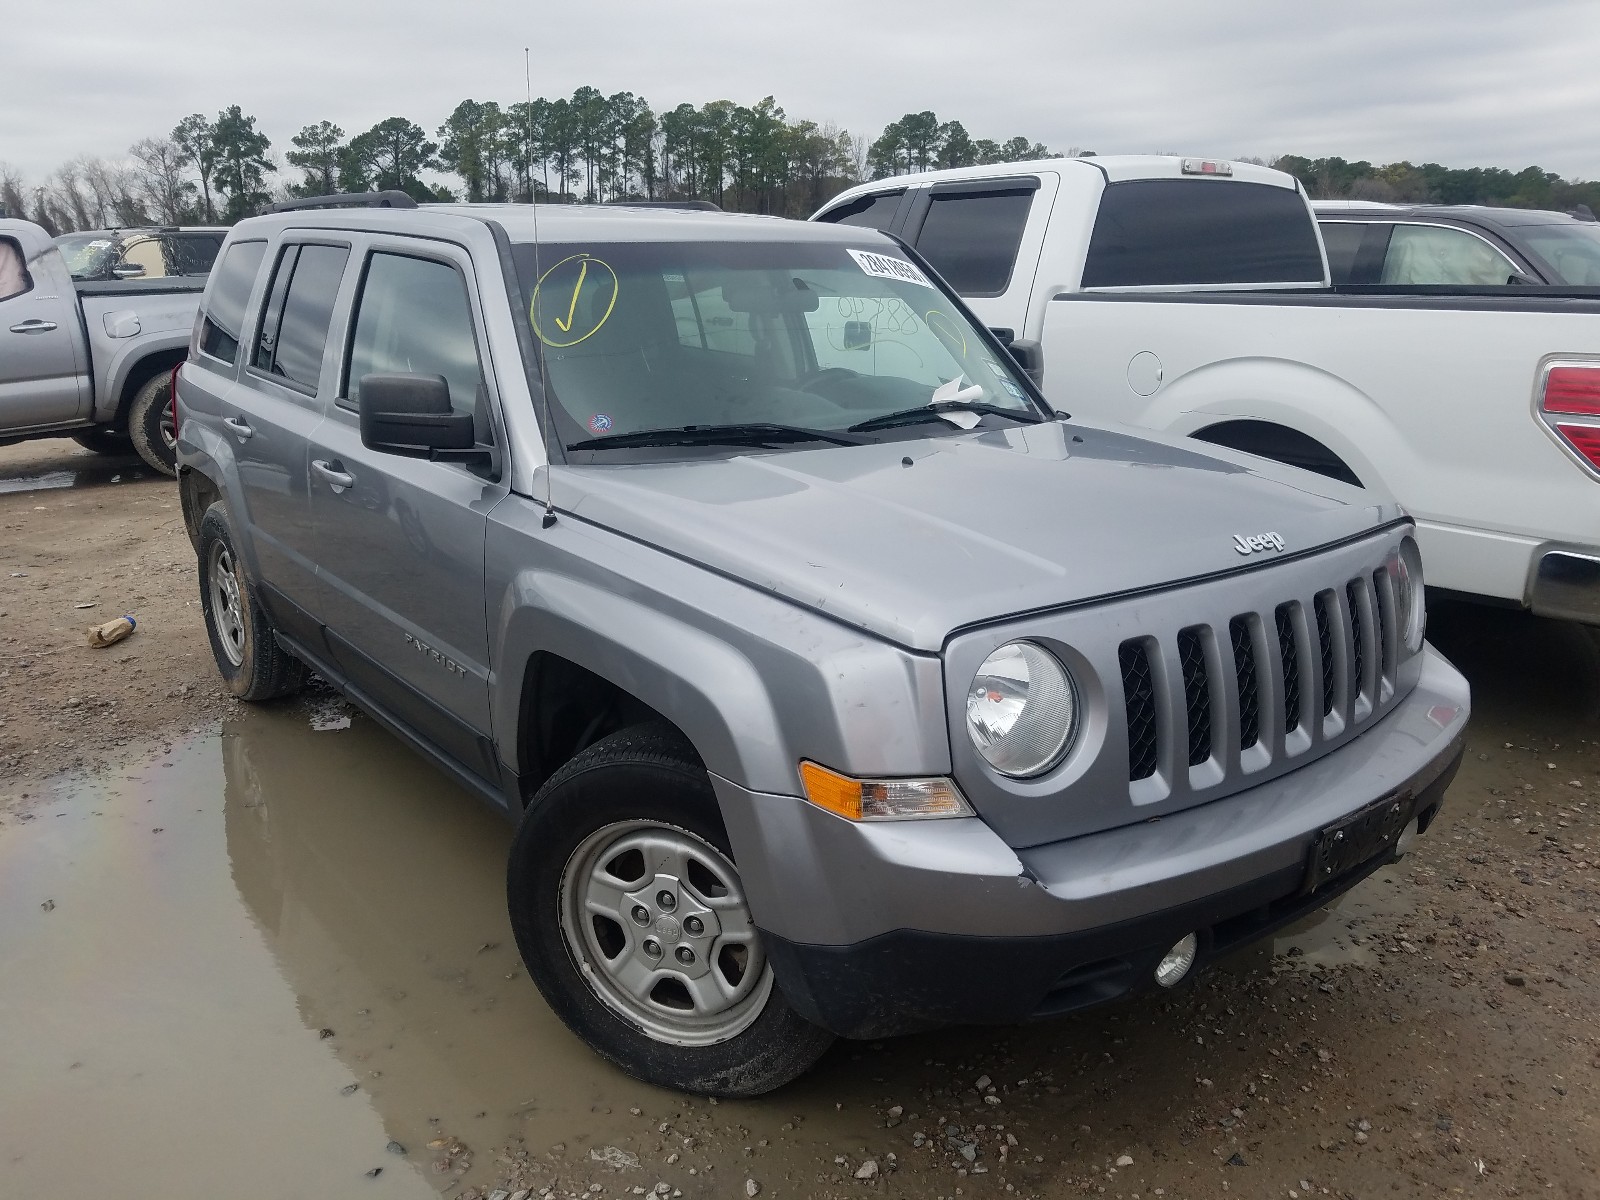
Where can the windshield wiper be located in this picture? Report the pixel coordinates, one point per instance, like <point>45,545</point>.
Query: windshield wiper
<point>756,433</point>
<point>930,412</point>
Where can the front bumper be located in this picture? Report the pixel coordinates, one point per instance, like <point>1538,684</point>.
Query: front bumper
<point>1566,584</point>
<point>882,928</point>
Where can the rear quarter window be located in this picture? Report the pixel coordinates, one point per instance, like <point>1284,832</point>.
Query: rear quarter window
<point>1201,232</point>
<point>875,211</point>
<point>1342,240</point>
<point>226,299</point>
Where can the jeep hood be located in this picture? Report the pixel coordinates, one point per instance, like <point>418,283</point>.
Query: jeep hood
<point>911,540</point>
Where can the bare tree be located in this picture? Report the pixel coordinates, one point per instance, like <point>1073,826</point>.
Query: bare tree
<point>161,168</point>
<point>11,191</point>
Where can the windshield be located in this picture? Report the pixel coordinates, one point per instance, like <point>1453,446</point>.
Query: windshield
<point>1573,251</point>
<point>807,336</point>
<point>88,255</point>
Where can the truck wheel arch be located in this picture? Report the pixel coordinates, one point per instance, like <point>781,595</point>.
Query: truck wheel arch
<point>1281,444</point>
<point>139,373</point>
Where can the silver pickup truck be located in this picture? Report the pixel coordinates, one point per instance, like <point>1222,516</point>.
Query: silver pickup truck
<point>91,361</point>
<point>837,684</point>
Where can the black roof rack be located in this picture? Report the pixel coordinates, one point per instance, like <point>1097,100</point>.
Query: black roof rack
<point>390,199</point>
<point>686,205</point>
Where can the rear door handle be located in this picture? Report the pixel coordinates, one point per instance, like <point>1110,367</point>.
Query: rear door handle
<point>34,326</point>
<point>240,429</point>
<point>338,478</point>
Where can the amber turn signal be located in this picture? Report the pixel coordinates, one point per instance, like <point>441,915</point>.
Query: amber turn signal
<point>882,799</point>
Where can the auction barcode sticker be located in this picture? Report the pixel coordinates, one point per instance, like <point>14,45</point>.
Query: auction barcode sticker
<point>885,266</point>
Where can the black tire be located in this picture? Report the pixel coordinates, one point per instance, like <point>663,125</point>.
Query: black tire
<point>111,442</point>
<point>252,663</point>
<point>150,424</point>
<point>647,774</point>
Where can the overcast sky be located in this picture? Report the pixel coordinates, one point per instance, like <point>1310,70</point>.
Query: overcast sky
<point>1462,82</point>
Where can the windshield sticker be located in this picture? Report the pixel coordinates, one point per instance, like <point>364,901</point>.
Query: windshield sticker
<point>572,300</point>
<point>886,266</point>
<point>600,423</point>
<point>98,244</point>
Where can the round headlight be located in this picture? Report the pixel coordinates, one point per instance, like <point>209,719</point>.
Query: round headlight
<point>1410,608</point>
<point>1022,710</point>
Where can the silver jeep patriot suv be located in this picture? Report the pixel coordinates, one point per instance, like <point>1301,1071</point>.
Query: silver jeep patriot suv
<point>838,684</point>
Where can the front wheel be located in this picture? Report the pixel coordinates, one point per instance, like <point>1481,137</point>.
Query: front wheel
<point>150,425</point>
<point>633,921</point>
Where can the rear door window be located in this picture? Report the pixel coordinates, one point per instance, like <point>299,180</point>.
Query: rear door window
<point>1438,255</point>
<point>1201,232</point>
<point>414,317</point>
<point>226,299</point>
<point>875,211</point>
<point>294,328</point>
<point>971,237</point>
<point>190,254</point>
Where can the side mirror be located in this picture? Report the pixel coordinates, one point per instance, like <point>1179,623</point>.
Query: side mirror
<point>128,271</point>
<point>1030,357</point>
<point>411,415</point>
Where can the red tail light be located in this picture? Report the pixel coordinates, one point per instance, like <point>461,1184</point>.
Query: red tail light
<point>1573,392</point>
<point>1585,439</point>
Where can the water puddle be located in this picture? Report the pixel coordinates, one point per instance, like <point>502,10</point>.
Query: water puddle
<point>277,959</point>
<point>276,951</point>
<point>110,472</point>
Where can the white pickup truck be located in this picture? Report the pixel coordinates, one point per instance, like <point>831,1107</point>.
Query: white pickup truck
<point>1192,296</point>
<point>91,361</point>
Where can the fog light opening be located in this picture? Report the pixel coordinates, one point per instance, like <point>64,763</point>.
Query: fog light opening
<point>1408,838</point>
<point>1175,965</point>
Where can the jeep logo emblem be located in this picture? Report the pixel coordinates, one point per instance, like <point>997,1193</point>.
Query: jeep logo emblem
<point>1257,542</point>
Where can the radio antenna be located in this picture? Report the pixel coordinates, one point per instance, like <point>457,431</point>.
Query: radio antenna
<point>546,421</point>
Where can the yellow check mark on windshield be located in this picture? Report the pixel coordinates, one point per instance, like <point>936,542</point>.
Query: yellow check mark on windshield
<point>566,326</point>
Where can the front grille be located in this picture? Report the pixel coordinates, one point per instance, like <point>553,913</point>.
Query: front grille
<point>1196,693</point>
<point>1139,692</point>
<point>1268,690</point>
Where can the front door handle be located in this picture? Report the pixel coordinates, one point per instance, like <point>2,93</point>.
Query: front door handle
<point>338,478</point>
<point>240,429</point>
<point>34,326</point>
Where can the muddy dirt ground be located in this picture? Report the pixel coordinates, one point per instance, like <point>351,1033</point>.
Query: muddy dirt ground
<point>264,953</point>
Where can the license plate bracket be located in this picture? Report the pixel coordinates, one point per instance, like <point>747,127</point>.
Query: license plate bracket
<point>1357,839</point>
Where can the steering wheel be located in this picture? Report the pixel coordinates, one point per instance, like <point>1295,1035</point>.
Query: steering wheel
<point>808,383</point>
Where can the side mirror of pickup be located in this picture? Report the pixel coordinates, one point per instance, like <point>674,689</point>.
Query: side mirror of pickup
<point>411,415</point>
<point>1027,355</point>
<point>128,271</point>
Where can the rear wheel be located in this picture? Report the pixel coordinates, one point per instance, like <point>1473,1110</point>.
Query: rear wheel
<point>150,425</point>
<point>632,919</point>
<point>253,665</point>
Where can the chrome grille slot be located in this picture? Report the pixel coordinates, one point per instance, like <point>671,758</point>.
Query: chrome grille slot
<point>1286,618</point>
<point>1244,671</point>
<point>1382,598</point>
<point>1358,639</point>
<point>1139,695</point>
<point>1325,621</point>
<point>1196,692</point>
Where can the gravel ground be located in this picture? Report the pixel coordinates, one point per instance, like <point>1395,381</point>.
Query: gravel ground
<point>1439,1033</point>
